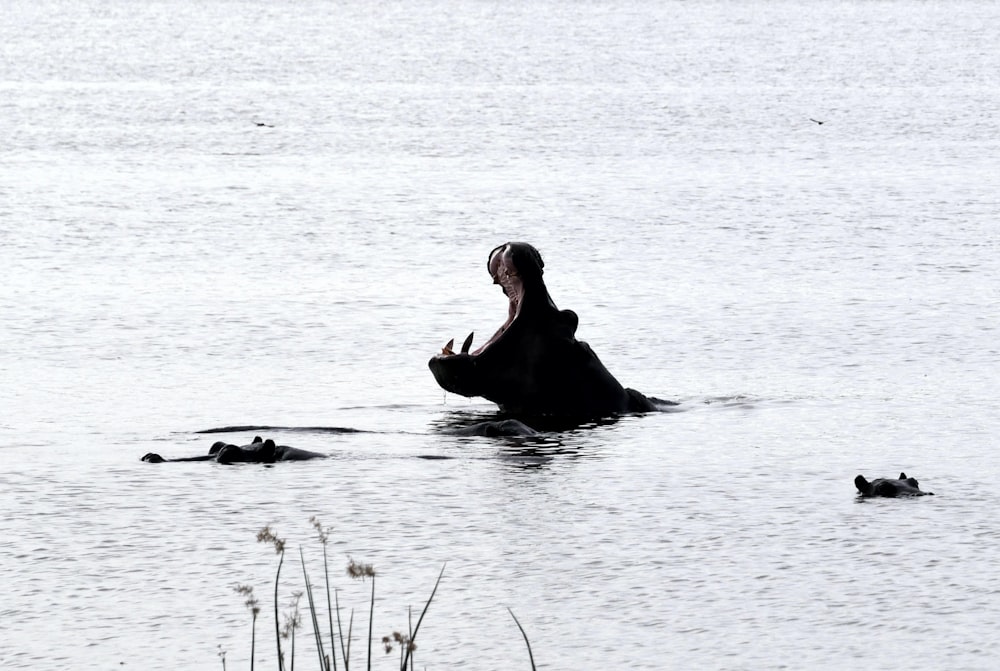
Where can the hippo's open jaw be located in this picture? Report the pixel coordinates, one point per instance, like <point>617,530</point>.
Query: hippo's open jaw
<point>504,273</point>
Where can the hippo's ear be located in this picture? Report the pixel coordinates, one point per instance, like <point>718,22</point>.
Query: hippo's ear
<point>863,485</point>
<point>257,439</point>
<point>902,476</point>
<point>225,455</point>
<point>911,482</point>
<point>268,452</point>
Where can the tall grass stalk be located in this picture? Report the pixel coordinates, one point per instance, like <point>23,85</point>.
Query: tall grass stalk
<point>354,570</point>
<point>312,611</point>
<point>293,621</point>
<point>344,654</point>
<point>254,607</point>
<point>253,644</point>
<point>266,535</point>
<point>409,627</point>
<point>359,571</point>
<point>324,537</point>
<point>329,612</point>
<point>277,629</point>
<point>277,632</point>
<point>371,622</point>
<point>413,636</point>
<point>350,630</point>
<point>526,641</point>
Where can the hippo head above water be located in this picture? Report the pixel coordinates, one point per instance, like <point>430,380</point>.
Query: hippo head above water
<point>534,365</point>
<point>888,487</point>
<point>258,451</point>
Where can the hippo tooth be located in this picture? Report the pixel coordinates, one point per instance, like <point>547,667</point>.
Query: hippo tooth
<point>468,343</point>
<point>448,347</point>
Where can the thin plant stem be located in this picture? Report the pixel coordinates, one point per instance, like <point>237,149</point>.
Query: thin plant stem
<point>253,643</point>
<point>413,636</point>
<point>312,611</point>
<point>409,618</point>
<point>350,629</point>
<point>340,629</point>
<point>277,629</point>
<point>254,607</point>
<point>526,641</point>
<point>329,613</point>
<point>371,621</point>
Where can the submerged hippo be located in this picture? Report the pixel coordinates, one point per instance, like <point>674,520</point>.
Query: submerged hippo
<point>495,428</point>
<point>534,365</point>
<point>257,452</point>
<point>903,486</point>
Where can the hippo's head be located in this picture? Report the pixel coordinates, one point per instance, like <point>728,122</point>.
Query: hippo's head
<point>533,364</point>
<point>889,487</point>
<point>259,452</point>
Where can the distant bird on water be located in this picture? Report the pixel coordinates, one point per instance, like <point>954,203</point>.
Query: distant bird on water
<point>814,121</point>
<point>260,124</point>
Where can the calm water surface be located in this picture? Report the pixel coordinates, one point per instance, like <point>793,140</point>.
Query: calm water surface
<point>223,213</point>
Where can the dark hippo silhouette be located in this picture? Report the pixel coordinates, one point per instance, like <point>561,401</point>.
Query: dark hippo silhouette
<point>492,429</point>
<point>534,365</point>
<point>903,486</point>
<point>257,452</point>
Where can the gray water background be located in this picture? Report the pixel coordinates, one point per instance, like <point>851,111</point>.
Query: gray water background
<point>821,299</point>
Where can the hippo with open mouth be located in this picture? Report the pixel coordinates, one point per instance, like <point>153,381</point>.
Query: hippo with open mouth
<point>888,487</point>
<point>534,365</point>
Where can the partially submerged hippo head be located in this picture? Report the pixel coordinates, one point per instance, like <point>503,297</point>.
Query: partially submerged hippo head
<point>259,451</point>
<point>903,486</point>
<point>533,364</point>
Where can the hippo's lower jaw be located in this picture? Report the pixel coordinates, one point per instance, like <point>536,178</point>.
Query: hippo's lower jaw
<point>889,487</point>
<point>533,364</point>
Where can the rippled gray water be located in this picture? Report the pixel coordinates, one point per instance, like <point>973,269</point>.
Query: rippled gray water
<point>218,213</point>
